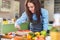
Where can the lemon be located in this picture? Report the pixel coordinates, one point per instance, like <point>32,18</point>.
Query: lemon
<point>37,33</point>
<point>29,36</point>
<point>33,38</point>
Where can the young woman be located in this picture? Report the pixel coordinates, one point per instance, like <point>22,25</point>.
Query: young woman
<point>38,17</point>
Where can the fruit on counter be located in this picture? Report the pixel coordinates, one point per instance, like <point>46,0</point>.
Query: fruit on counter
<point>39,38</point>
<point>32,34</point>
<point>34,38</point>
<point>29,37</point>
<point>18,38</point>
<point>43,33</point>
<point>42,36</point>
<point>37,33</point>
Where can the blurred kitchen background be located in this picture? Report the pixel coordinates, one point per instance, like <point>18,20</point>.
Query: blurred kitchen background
<point>11,9</point>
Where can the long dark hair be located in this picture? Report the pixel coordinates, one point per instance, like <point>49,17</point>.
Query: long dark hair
<point>37,9</point>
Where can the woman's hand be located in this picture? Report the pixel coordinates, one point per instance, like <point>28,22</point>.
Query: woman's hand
<point>18,27</point>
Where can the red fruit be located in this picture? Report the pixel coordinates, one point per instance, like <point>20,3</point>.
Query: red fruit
<point>40,38</point>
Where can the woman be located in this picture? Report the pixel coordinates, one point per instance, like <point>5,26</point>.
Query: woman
<point>38,17</point>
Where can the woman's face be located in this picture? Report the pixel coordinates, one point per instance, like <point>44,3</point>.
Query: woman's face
<point>31,7</point>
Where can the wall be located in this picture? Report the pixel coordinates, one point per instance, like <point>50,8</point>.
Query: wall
<point>22,8</point>
<point>5,15</point>
<point>11,13</point>
<point>49,5</point>
<point>14,8</point>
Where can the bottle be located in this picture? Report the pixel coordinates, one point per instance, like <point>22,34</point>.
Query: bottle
<point>56,23</point>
